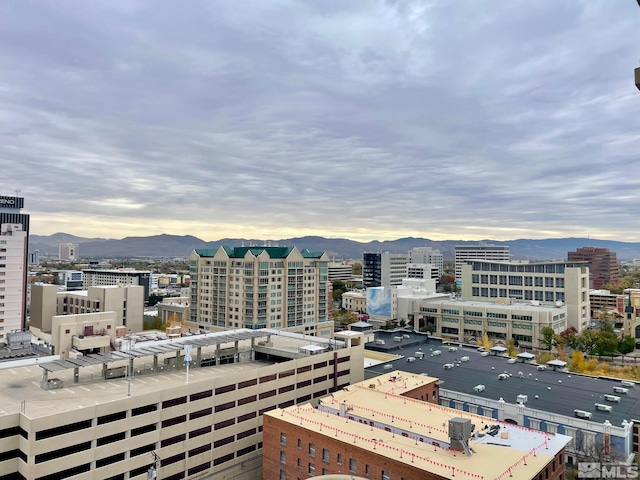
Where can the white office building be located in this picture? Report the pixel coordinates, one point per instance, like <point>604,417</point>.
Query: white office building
<point>69,251</point>
<point>482,251</point>
<point>427,255</point>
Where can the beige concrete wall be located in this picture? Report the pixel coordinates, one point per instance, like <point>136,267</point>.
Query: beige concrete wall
<point>65,327</point>
<point>43,306</point>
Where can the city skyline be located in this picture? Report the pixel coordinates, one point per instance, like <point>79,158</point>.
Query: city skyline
<point>364,121</point>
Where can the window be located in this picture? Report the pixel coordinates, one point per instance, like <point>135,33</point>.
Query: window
<point>312,450</point>
<point>325,455</point>
<point>367,470</point>
<point>283,457</point>
<point>312,469</point>
<point>283,439</point>
<point>283,475</point>
<point>353,465</point>
<point>385,475</point>
<point>339,459</point>
<point>299,444</point>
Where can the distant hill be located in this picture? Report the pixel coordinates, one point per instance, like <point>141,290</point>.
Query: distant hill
<point>181,246</point>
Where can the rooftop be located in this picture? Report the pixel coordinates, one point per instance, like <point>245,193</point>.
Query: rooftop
<point>415,432</point>
<point>23,382</point>
<point>558,392</point>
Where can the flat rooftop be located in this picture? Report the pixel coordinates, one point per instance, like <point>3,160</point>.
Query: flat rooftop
<point>415,432</point>
<point>22,383</point>
<point>499,306</point>
<point>558,392</point>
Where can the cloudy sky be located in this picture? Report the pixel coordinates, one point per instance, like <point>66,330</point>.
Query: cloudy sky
<point>445,119</point>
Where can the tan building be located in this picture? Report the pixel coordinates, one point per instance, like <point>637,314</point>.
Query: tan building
<point>541,283</point>
<point>207,424</point>
<point>354,301</point>
<point>481,251</point>
<point>602,263</point>
<point>260,287</point>
<point>468,321</point>
<point>388,428</point>
<point>126,302</point>
<point>173,309</point>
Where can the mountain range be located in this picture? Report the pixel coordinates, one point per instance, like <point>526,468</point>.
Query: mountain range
<point>341,248</point>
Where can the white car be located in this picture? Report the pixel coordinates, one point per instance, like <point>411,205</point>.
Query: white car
<point>503,376</point>
<point>448,366</point>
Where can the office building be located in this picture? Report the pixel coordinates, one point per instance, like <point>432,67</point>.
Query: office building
<point>427,255</point>
<point>602,263</point>
<point>422,271</point>
<point>69,252</point>
<point>340,271</point>
<point>174,309</point>
<point>468,321</point>
<point>34,258</point>
<point>464,253</point>
<point>384,269</point>
<point>14,245</point>
<point>49,307</point>
<point>542,283</point>
<point>354,301</point>
<point>205,422</point>
<point>260,287</point>
<point>71,280</point>
<point>391,427</point>
<point>599,416</point>
<point>106,277</point>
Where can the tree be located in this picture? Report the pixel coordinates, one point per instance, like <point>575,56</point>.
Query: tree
<point>569,337</point>
<point>577,363</point>
<point>486,343</point>
<point>512,350</point>
<point>548,337</point>
<point>588,341</point>
<point>626,345</point>
<point>356,268</point>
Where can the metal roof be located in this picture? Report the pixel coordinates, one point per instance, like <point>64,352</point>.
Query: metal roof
<point>146,349</point>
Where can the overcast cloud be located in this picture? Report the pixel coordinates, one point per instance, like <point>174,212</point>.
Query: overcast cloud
<point>446,119</point>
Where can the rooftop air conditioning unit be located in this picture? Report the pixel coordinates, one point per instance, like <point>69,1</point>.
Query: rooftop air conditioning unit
<point>522,399</point>
<point>603,408</point>
<point>582,414</point>
<point>612,398</point>
<point>479,388</point>
<point>626,383</point>
<point>620,390</point>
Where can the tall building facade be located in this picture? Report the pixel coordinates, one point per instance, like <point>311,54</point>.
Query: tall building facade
<point>543,283</point>
<point>384,269</point>
<point>69,251</point>
<point>259,287</point>
<point>602,263</point>
<point>14,248</point>
<point>99,277</point>
<point>464,253</point>
<point>427,255</point>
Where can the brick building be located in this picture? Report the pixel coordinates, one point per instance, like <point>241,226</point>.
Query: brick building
<point>602,263</point>
<point>388,428</point>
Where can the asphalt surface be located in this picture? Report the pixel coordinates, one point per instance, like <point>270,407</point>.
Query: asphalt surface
<point>557,392</point>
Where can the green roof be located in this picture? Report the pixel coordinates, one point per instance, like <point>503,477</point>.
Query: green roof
<point>273,252</point>
<point>307,254</point>
<point>205,252</point>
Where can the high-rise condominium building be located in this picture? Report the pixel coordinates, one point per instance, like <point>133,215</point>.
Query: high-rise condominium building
<point>384,269</point>
<point>543,283</point>
<point>260,287</point>
<point>69,251</point>
<point>14,247</point>
<point>602,263</point>
<point>427,255</point>
<point>481,251</point>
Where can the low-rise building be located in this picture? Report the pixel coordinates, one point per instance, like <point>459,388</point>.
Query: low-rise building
<point>354,301</point>
<point>391,426</point>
